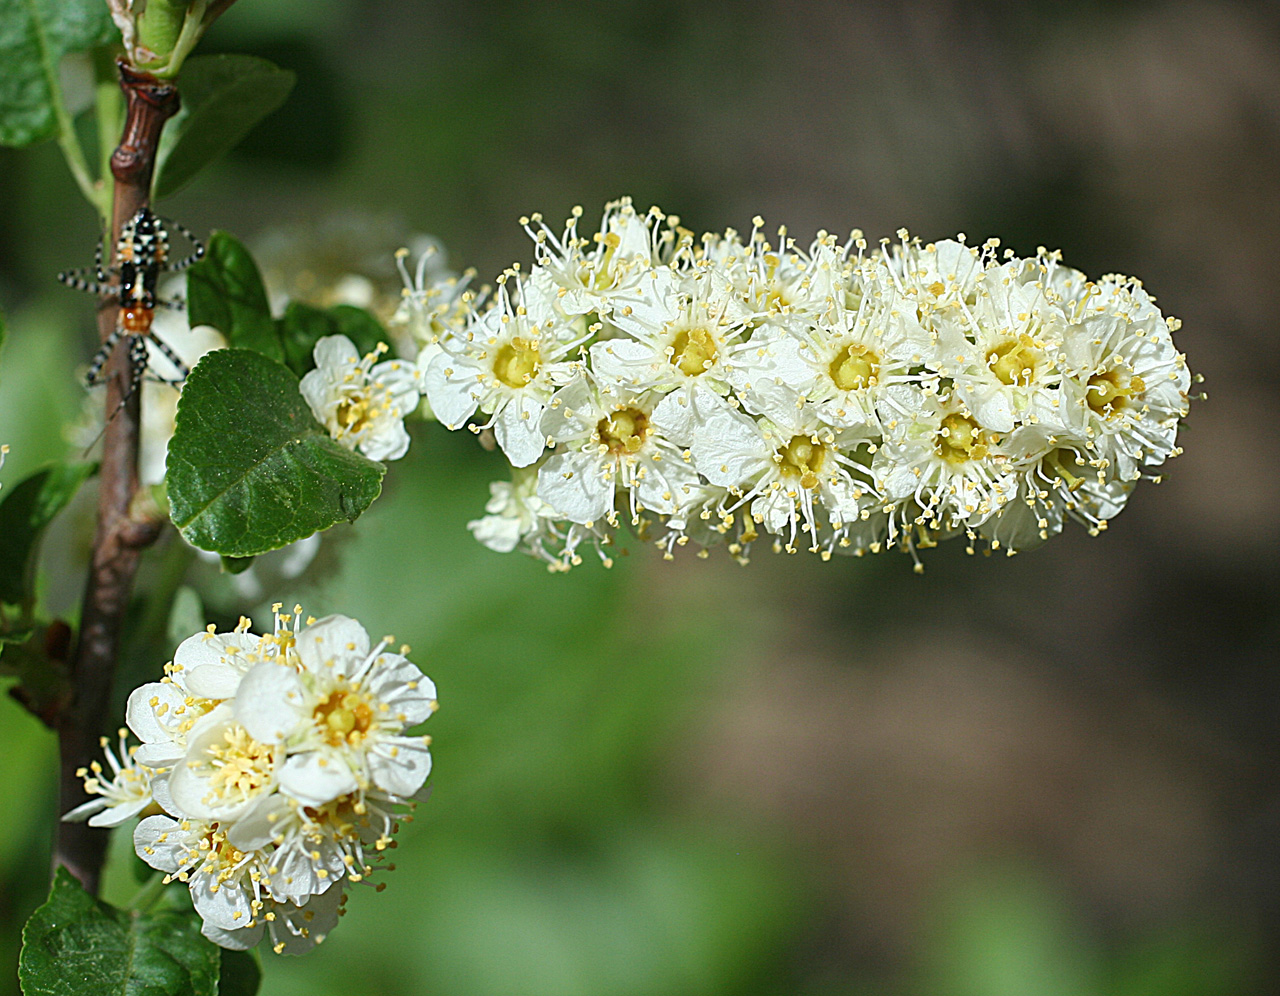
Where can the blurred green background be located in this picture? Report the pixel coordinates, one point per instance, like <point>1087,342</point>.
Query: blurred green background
<point>1050,775</point>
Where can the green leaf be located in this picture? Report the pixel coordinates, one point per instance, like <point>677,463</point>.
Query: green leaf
<point>250,469</point>
<point>26,510</point>
<point>241,975</point>
<point>75,945</point>
<point>34,36</point>
<point>223,97</point>
<point>225,290</point>
<point>303,326</point>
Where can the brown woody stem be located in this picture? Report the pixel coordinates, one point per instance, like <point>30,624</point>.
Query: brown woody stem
<point>125,526</point>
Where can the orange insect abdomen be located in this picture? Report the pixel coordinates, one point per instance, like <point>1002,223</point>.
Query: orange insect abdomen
<point>136,320</point>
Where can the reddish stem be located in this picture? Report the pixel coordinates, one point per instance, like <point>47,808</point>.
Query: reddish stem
<point>123,529</point>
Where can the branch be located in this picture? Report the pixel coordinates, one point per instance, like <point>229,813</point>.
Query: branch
<point>125,528</point>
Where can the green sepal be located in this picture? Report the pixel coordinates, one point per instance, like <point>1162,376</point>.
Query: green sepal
<point>75,945</point>
<point>250,469</point>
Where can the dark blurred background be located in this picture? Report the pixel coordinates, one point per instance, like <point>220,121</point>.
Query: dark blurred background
<point>1056,774</point>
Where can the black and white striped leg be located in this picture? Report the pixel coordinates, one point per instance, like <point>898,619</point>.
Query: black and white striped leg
<point>97,262</point>
<point>197,253</point>
<point>137,367</point>
<point>73,278</point>
<point>172,357</point>
<point>93,376</point>
<point>138,357</point>
<point>176,303</point>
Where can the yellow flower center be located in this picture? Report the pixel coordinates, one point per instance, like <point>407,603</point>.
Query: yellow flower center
<point>959,439</point>
<point>353,413</point>
<point>1109,393</point>
<point>624,431</point>
<point>345,714</point>
<point>802,458</point>
<point>1014,362</point>
<point>693,351</point>
<point>517,362</point>
<point>855,367</point>
<point>241,765</point>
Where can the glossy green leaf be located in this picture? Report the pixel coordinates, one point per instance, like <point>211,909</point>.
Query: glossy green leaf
<point>303,326</point>
<point>75,945</point>
<point>223,97</point>
<point>250,469</point>
<point>225,290</point>
<point>241,975</point>
<point>26,509</point>
<point>34,36</point>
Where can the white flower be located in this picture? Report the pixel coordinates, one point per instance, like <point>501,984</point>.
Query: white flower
<point>435,304</point>
<point>588,274</point>
<point>793,472</point>
<point>611,441</point>
<point>514,512</point>
<point>205,670</point>
<point>284,768</point>
<point>361,403</point>
<point>340,714</point>
<point>121,797</point>
<point>232,889</point>
<point>726,390</point>
<point>508,364</point>
<point>941,468</point>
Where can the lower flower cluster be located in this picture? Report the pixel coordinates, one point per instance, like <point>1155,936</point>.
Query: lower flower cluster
<point>273,771</point>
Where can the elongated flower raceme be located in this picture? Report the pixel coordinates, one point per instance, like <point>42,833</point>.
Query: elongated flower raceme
<point>273,771</point>
<point>830,398</point>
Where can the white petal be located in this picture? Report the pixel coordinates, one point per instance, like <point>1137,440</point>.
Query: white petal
<point>161,843</point>
<point>259,823</point>
<point>335,645</point>
<point>159,755</point>
<point>400,765</point>
<point>574,485</point>
<point>234,940</point>
<point>161,795</point>
<point>160,698</point>
<point>728,449</point>
<point>400,684</point>
<point>390,442</point>
<point>271,703</point>
<point>224,905</point>
<point>519,430</point>
<point>85,810</point>
<point>452,389</point>
<point>336,353</point>
<point>213,681</point>
<point>317,777</point>
<point>116,815</point>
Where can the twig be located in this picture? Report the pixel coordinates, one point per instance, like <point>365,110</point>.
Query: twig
<point>124,528</point>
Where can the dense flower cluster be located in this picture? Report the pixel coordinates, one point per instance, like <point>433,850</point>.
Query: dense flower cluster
<point>271,772</point>
<point>835,398</point>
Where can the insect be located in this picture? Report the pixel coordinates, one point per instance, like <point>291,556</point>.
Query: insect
<point>141,256</point>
